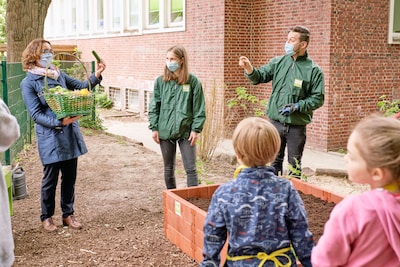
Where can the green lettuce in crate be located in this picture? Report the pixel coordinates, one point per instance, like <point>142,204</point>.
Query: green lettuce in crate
<point>64,91</point>
<point>71,103</point>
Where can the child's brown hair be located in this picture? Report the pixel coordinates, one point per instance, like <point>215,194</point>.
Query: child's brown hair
<point>256,142</point>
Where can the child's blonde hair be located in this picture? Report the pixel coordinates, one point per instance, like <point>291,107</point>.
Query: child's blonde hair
<point>256,142</point>
<point>379,142</point>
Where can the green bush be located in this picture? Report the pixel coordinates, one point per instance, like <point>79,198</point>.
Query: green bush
<point>248,103</point>
<point>389,108</point>
<point>95,123</point>
<point>103,101</point>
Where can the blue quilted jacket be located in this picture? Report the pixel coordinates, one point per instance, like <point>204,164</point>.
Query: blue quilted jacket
<point>55,142</point>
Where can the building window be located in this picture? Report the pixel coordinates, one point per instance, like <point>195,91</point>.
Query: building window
<point>394,22</point>
<point>175,11</point>
<point>99,18</point>
<point>115,96</point>
<point>132,99</point>
<point>133,14</point>
<point>73,18</point>
<point>116,15</point>
<point>62,18</point>
<point>100,15</point>
<point>154,12</point>
<point>85,15</point>
<point>147,99</point>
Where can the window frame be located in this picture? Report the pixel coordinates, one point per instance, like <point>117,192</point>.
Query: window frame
<point>128,26</point>
<point>169,11</point>
<point>147,15</point>
<point>116,12</point>
<point>86,24</point>
<point>165,24</point>
<point>81,27</point>
<point>73,23</point>
<point>394,37</point>
<point>98,28</point>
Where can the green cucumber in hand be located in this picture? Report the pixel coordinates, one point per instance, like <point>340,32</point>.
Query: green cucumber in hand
<point>96,56</point>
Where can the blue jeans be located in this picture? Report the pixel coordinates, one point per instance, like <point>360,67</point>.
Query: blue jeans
<point>294,137</point>
<point>188,152</point>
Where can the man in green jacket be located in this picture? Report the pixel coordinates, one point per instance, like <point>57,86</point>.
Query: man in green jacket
<point>298,89</point>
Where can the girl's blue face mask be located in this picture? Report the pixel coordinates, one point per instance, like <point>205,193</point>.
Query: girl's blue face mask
<point>45,59</point>
<point>172,66</point>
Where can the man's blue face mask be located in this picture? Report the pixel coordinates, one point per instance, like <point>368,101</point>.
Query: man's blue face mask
<point>289,49</point>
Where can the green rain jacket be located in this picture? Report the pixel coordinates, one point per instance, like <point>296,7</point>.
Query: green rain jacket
<point>300,81</point>
<point>176,110</point>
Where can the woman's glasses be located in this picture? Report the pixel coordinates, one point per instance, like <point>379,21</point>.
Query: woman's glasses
<point>46,51</point>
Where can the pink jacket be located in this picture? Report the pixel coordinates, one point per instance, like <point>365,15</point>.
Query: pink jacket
<point>363,230</point>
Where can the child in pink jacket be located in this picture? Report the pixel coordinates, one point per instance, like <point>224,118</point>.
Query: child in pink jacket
<point>364,230</point>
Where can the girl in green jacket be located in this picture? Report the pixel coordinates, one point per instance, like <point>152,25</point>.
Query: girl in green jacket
<point>177,115</point>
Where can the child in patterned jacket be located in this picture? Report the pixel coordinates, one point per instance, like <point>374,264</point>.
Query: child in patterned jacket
<point>262,214</point>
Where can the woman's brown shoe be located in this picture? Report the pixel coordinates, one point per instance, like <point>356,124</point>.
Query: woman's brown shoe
<point>48,225</point>
<point>71,222</point>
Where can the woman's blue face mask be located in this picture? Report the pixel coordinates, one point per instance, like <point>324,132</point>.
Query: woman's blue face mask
<point>45,59</point>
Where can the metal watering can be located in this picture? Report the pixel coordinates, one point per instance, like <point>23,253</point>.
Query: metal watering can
<point>18,183</point>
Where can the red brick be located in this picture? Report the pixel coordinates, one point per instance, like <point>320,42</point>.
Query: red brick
<point>358,62</point>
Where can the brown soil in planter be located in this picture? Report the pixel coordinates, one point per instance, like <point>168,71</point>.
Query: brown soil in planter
<point>317,209</point>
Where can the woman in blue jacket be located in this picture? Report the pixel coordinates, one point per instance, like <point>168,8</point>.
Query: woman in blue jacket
<point>59,142</point>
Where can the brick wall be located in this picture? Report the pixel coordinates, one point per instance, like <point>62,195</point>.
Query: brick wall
<point>363,65</point>
<point>239,33</point>
<point>139,59</point>
<point>263,27</point>
<point>358,64</point>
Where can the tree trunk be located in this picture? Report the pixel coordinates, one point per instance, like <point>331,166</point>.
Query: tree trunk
<point>24,22</point>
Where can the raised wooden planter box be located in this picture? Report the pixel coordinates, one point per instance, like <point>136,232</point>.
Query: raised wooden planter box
<point>183,221</point>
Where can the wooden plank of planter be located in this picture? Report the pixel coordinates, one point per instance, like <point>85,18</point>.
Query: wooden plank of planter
<point>331,172</point>
<point>180,213</point>
<point>314,190</point>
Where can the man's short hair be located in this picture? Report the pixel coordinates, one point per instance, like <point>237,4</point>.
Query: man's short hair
<point>304,33</point>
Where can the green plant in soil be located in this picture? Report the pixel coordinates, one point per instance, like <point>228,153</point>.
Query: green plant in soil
<point>295,170</point>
